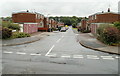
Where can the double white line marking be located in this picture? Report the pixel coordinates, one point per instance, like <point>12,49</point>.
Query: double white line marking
<point>65,55</point>
<point>108,57</point>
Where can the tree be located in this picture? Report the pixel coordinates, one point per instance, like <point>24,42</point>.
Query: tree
<point>68,20</point>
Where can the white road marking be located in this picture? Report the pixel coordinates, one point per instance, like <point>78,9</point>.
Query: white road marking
<point>51,55</point>
<point>7,52</point>
<point>58,40</point>
<point>65,56</point>
<point>50,50</point>
<point>77,56</point>
<point>20,53</point>
<point>107,57</point>
<point>32,54</point>
<point>117,57</point>
<point>92,57</point>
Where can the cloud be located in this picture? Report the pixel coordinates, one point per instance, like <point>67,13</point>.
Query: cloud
<point>58,7</point>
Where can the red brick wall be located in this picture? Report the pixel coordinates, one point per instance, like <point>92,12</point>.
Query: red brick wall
<point>83,23</point>
<point>27,18</point>
<point>24,17</point>
<point>107,18</point>
<point>104,18</point>
<point>119,18</point>
<point>30,28</point>
<point>94,28</point>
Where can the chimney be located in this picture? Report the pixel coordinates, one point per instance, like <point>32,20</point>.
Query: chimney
<point>27,10</point>
<point>108,9</point>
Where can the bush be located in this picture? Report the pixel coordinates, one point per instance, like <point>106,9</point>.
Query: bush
<point>83,30</point>
<point>11,25</point>
<point>117,24</point>
<point>86,31</point>
<point>20,35</point>
<point>108,34</point>
<point>102,27</point>
<point>111,35</point>
<point>74,25</point>
<point>14,26</point>
<point>6,33</point>
<point>54,29</point>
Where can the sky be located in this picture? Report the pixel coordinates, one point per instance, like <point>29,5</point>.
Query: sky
<point>80,8</point>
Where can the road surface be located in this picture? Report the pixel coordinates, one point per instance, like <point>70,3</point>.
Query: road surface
<point>58,53</point>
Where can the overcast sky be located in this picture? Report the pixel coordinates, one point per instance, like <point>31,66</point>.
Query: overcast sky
<point>79,8</point>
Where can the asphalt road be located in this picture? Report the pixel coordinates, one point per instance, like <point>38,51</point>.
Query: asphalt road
<point>58,53</point>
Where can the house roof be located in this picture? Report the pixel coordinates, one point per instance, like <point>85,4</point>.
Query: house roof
<point>22,12</point>
<point>104,13</point>
<point>26,12</point>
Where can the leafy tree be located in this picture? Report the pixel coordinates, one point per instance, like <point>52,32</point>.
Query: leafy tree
<point>68,20</point>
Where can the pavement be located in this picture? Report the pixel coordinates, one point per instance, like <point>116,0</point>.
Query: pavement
<point>89,41</point>
<point>19,41</point>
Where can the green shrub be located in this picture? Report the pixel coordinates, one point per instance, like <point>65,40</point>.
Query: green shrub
<point>14,26</point>
<point>111,35</point>
<point>102,27</point>
<point>11,25</point>
<point>83,30</point>
<point>108,34</point>
<point>117,24</point>
<point>54,29</point>
<point>74,25</point>
<point>6,33</point>
<point>20,35</point>
<point>86,31</point>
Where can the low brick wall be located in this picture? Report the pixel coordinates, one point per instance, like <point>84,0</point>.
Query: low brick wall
<point>30,27</point>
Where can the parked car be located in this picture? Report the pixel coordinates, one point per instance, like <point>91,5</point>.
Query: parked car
<point>63,29</point>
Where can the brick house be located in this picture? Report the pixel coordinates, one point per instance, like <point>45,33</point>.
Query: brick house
<point>53,23</point>
<point>60,24</point>
<point>29,22</point>
<point>46,24</point>
<point>84,24</point>
<point>97,19</point>
<point>50,23</point>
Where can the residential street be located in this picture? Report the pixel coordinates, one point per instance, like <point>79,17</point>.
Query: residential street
<point>57,53</point>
